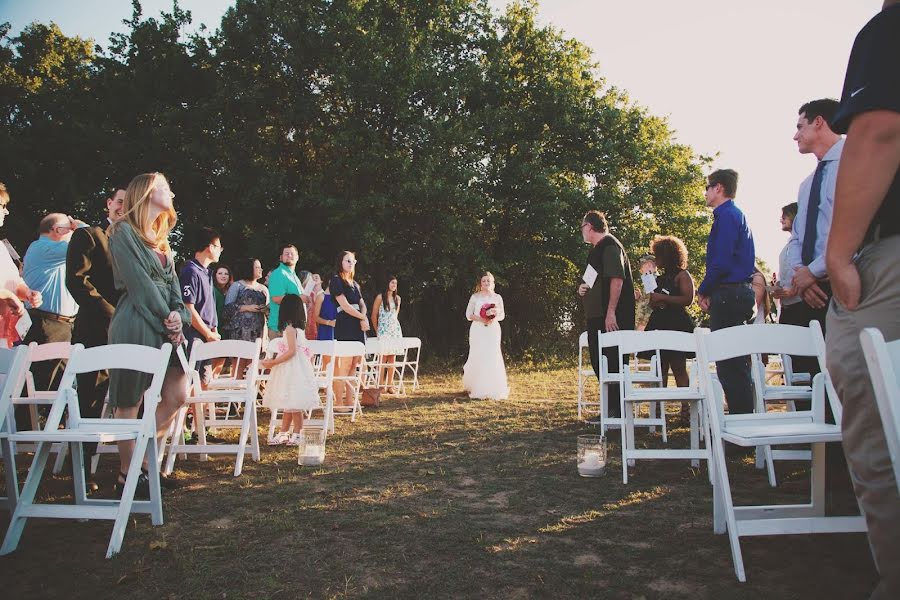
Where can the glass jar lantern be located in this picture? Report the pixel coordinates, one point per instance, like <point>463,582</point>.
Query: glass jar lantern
<point>311,449</point>
<point>591,455</point>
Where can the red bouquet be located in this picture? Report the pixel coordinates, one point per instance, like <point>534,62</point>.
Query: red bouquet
<point>488,312</point>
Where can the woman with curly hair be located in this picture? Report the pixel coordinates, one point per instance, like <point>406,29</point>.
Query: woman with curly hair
<point>674,293</point>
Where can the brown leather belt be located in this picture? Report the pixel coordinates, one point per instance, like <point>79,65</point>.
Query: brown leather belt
<point>42,314</point>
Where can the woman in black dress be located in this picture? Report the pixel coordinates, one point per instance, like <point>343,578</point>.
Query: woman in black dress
<point>674,293</point>
<point>351,324</point>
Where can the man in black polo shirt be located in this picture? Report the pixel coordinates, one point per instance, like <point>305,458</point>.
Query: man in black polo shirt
<point>862,262</point>
<point>609,303</point>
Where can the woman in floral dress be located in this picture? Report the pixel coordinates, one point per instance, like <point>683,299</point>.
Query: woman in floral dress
<point>385,313</point>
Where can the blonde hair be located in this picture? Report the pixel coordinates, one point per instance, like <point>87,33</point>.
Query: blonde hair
<point>482,276</point>
<point>136,212</point>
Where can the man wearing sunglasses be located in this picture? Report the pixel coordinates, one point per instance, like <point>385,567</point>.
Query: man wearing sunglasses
<point>725,292</point>
<point>45,271</point>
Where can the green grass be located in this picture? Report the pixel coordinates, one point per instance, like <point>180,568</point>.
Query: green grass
<point>437,495</point>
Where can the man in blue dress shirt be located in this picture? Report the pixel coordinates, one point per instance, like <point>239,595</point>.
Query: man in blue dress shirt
<point>725,292</point>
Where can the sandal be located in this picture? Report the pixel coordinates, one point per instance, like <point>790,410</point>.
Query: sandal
<point>279,439</point>
<point>294,440</point>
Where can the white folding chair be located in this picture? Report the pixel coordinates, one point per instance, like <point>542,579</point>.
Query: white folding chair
<point>649,375</point>
<point>243,396</point>
<point>343,349</point>
<point>632,342</point>
<point>78,431</point>
<point>12,366</point>
<point>883,359</point>
<point>412,349</point>
<point>35,398</point>
<point>799,427</point>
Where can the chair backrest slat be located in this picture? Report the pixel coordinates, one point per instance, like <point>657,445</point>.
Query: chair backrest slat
<point>742,340</point>
<point>641,341</point>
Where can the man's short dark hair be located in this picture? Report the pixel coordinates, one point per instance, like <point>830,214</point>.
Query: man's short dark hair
<point>115,188</point>
<point>204,237</point>
<point>790,210</point>
<point>284,245</point>
<point>824,107</point>
<point>727,178</point>
<point>597,221</point>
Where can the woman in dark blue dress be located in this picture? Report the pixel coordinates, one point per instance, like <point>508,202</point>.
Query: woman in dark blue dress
<point>351,323</point>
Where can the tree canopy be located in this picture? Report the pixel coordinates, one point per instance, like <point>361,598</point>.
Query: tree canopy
<point>434,138</point>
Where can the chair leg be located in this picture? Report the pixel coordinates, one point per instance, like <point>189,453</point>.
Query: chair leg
<point>662,413</point>
<point>726,505</point>
<point>695,431</point>
<point>254,434</point>
<point>61,451</point>
<point>78,473</point>
<point>769,461</point>
<point>8,451</point>
<point>273,422</point>
<point>124,512</point>
<point>817,479</point>
<point>179,428</point>
<point>627,442</point>
<point>242,443</point>
<point>26,498</point>
<point>156,514</point>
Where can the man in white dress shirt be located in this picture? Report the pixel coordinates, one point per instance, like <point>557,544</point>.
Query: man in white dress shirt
<point>815,202</point>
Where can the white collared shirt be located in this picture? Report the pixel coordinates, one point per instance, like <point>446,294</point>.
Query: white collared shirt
<point>823,222</point>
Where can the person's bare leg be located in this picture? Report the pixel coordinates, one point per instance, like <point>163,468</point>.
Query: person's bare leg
<point>338,386</point>
<point>174,393</point>
<point>126,447</point>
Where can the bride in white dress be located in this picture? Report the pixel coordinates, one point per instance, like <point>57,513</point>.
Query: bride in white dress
<point>484,375</point>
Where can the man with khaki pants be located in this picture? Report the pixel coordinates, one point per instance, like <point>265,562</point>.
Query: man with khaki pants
<point>863,262</point>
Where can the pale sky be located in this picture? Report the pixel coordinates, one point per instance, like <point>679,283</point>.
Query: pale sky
<point>729,75</point>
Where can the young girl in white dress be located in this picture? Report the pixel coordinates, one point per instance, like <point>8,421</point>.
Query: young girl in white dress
<point>484,375</point>
<point>292,385</point>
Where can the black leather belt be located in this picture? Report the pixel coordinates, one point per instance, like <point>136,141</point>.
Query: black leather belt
<point>42,314</point>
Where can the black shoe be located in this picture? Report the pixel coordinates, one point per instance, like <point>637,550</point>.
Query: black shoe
<point>167,482</point>
<point>141,492</point>
<point>214,439</point>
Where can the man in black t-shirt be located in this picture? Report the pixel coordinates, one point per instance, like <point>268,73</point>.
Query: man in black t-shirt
<point>862,262</point>
<point>609,303</point>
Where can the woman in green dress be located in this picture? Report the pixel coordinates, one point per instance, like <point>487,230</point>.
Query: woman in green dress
<point>150,311</point>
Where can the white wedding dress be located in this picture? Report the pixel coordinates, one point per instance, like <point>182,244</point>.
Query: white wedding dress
<point>484,375</point>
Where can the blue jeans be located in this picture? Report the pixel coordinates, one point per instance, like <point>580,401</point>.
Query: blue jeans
<point>730,306</point>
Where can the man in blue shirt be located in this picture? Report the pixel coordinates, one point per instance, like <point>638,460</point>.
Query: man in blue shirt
<point>45,271</point>
<point>196,289</point>
<point>725,292</point>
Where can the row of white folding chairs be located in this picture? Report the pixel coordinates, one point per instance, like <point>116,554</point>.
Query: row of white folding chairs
<point>751,430</point>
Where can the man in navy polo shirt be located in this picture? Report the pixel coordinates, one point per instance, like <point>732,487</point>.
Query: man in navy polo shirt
<point>725,292</point>
<point>196,289</point>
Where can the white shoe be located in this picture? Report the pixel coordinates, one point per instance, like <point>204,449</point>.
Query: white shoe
<point>294,440</point>
<point>279,439</point>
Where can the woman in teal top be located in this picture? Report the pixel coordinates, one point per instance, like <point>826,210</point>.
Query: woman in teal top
<point>150,311</point>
